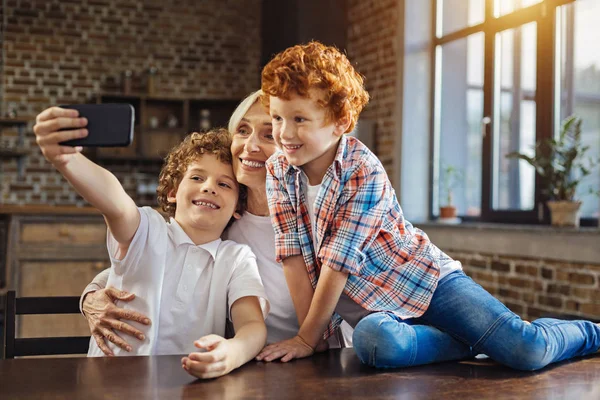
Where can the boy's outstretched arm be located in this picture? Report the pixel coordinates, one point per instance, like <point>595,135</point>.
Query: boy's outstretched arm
<point>94,183</point>
<point>222,355</point>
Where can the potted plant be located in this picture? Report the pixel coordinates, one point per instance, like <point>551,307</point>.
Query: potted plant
<point>451,176</point>
<point>561,164</point>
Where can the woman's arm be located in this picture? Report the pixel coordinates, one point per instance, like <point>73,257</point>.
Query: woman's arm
<point>105,318</point>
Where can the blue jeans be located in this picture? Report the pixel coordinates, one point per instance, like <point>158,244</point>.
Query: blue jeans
<point>464,320</point>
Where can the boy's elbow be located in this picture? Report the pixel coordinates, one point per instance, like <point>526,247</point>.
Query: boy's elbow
<point>258,330</point>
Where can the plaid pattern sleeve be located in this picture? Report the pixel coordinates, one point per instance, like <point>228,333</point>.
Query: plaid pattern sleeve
<point>283,212</point>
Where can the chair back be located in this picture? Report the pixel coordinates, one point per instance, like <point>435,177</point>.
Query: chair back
<point>17,347</point>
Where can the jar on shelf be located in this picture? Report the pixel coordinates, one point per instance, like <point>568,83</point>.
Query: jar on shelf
<point>205,123</point>
<point>127,75</point>
<point>151,84</point>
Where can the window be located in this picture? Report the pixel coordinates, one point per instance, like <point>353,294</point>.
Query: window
<point>578,83</point>
<point>506,72</point>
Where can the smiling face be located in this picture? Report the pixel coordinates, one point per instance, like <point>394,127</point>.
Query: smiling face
<point>252,145</point>
<point>206,198</point>
<point>304,134</point>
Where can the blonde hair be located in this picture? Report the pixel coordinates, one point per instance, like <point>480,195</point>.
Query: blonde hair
<point>242,109</point>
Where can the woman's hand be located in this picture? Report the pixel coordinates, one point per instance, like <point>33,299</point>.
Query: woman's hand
<point>104,318</point>
<point>287,350</point>
<point>216,360</point>
<point>48,133</point>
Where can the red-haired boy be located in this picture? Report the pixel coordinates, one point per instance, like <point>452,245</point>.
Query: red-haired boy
<point>346,247</point>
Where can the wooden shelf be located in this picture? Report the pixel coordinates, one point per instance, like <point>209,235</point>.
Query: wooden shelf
<point>13,152</point>
<point>181,130</point>
<point>6,122</point>
<point>137,158</point>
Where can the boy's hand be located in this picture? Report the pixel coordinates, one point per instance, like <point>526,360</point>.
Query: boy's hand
<point>104,318</point>
<point>215,361</point>
<point>287,350</point>
<point>47,134</point>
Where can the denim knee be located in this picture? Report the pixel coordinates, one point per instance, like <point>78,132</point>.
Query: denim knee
<point>528,358</point>
<point>383,342</point>
<point>523,347</point>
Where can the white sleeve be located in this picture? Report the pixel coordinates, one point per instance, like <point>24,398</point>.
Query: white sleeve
<point>245,281</point>
<point>137,245</point>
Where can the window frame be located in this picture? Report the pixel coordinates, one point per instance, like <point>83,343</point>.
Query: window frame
<point>544,14</point>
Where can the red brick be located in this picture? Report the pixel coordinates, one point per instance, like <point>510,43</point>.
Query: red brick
<point>557,288</point>
<point>582,278</point>
<point>547,273</point>
<point>572,305</point>
<point>516,308</point>
<point>500,266</point>
<point>590,310</point>
<point>526,270</point>
<point>586,293</point>
<point>550,301</point>
<point>521,283</point>
<point>508,293</point>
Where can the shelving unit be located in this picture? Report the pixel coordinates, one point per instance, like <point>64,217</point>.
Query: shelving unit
<point>161,122</point>
<point>19,151</point>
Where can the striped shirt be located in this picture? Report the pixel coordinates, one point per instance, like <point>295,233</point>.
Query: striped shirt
<point>360,230</point>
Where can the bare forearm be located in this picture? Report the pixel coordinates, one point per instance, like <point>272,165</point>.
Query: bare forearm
<point>248,341</point>
<point>329,289</point>
<point>298,282</point>
<point>99,282</point>
<point>103,191</point>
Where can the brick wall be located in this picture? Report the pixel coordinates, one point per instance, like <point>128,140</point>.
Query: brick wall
<point>372,49</point>
<point>65,51</point>
<point>535,288</point>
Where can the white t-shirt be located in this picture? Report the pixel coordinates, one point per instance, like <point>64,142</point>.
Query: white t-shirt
<point>185,289</point>
<point>282,323</point>
<point>257,232</point>
<point>311,197</point>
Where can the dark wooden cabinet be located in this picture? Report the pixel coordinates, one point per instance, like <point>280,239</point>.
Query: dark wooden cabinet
<point>51,253</point>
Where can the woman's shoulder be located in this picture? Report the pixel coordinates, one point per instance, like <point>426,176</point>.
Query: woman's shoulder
<point>232,251</point>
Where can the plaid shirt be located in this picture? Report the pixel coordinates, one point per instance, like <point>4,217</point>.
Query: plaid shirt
<point>392,266</point>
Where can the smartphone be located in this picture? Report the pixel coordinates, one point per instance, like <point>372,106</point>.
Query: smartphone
<point>109,125</point>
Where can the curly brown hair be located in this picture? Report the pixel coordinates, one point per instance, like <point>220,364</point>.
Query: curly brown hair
<point>316,66</point>
<point>217,142</point>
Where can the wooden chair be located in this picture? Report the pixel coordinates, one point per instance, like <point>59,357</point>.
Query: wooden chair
<point>15,347</point>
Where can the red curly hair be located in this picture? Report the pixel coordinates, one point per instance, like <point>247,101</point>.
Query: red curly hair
<point>217,142</point>
<point>316,66</point>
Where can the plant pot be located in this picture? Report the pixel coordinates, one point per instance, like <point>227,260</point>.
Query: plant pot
<point>448,212</point>
<point>564,213</point>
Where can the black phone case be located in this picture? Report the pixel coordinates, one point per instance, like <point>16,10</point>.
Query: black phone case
<point>109,125</point>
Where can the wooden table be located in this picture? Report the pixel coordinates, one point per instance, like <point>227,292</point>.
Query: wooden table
<point>335,374</point>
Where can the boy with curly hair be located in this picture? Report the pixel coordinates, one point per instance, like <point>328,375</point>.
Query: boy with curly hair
<point>187,280</point>
<point>346,247</point>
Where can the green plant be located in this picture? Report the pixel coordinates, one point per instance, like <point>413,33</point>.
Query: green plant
<point>560,162</point>
<point>451,176</point>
